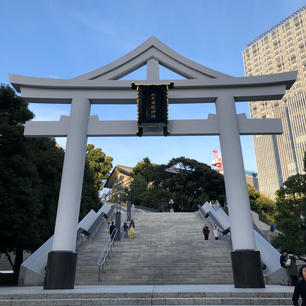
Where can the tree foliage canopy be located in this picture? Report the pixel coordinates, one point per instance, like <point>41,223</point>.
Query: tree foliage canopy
<point>265,207</point>
<point>99,164</point>
<point>30,174</point>
<point>184,180</point>
<point>290,216</point>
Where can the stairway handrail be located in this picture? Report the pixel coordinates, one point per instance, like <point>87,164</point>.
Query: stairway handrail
<point>104,255</point>
<point>110,243</point>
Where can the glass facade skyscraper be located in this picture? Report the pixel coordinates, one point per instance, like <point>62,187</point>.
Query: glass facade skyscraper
<point>282,48</point>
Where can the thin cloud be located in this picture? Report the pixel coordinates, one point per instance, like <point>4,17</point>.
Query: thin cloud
<point>52,76</point>
<point>101,26</point>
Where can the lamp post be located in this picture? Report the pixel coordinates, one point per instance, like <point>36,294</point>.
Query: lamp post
<point>171,202</point>
<point>118,221</point>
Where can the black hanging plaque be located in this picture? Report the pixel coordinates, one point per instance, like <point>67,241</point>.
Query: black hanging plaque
<point>152,106</point>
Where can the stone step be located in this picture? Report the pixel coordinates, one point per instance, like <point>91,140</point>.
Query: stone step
<point>126,276</point>
<point>117,252</point>
<point>145,301</point>
<point>147,270</point>
<point>134,292</point>
<point>154,282</point>
<point>140,269</point>
<point>147,252</point>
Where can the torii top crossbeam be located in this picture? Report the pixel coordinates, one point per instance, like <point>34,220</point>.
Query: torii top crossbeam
<point>202,85</point>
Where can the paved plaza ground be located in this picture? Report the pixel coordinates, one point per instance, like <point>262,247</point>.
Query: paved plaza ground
<point>145,289</point>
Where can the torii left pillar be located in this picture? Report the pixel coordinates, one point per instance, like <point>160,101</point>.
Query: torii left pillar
<point>61,266</point>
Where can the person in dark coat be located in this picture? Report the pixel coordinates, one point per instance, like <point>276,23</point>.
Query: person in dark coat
<point>282,261</point>
<point>292,270</point>
<point>206,231</point>
<point>125,230</point>
<point>112,229</point>
<point>300,288</point>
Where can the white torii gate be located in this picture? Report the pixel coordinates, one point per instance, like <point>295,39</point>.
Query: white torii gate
<point>202,85</point>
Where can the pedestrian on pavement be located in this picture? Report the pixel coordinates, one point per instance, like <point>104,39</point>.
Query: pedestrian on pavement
<point>216,232</point>
<point>292,269</point>
<point>108,226</point>
<point>125,230</point>
<point>300,288</point>
<point>132,223</point>
<point>112,229</point>
<point>282,261</point>
<point>206,232</point>
<point>132,229</point>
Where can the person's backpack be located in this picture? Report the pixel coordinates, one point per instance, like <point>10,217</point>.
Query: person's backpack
<point>288,262</point>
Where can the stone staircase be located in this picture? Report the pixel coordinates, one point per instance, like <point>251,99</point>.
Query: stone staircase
<point>144,295</point>
<point>168,249</point>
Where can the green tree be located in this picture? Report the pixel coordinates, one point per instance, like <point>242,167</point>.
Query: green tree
<point>155,197</point>
<point>191,183</point>
<point>253,196</point>
<point>90,193</point>
<point>186,181</point>
<point>30,174</point>
<point>290,216</point>
<point>145,169</point>
<point>19,181</point>
<point>99,163</point>
<point>48,161</point>
<point>266,208</point>
<point>137,188</point>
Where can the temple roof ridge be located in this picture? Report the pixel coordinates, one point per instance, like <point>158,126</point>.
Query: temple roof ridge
<point>138,57</point>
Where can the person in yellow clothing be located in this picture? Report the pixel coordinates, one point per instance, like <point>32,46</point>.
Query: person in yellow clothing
<point>132,229</point>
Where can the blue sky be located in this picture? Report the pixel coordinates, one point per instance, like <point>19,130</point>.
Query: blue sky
<point>64,39</point>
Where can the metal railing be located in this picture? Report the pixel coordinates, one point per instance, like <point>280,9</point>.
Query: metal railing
<point>107,249</point>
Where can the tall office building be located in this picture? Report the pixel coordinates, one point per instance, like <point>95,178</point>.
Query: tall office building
<point>281,48</point>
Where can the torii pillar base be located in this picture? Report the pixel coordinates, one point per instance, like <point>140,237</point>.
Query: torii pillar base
<point>247,269</point>
<point>61,269</point>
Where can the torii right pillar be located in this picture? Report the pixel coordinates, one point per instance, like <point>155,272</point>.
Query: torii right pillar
<point>246,262</point>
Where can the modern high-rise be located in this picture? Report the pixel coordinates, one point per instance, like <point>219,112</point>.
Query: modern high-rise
<point>281,48</point>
